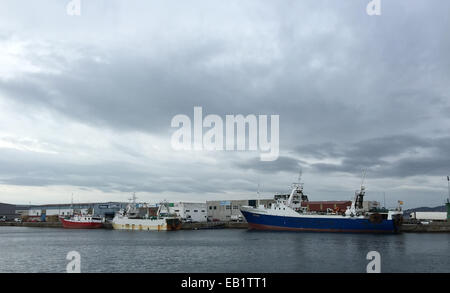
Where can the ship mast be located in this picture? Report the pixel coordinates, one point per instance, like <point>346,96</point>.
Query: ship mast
<point>359,195</point>
<point>448,184</point>
<point>71,205</point>
<point>133,199</point>
<point>257,195</point>
<point>297,187</point>
<point>132,205</point>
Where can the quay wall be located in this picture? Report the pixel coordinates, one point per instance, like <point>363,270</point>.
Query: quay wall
<point>433,227</point>
<point>185,226</point>
<point>33,224</point>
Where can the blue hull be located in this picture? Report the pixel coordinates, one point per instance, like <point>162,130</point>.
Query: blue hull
<point>353,225</point>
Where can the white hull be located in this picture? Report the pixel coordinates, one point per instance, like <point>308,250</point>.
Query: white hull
<point>124,223</point>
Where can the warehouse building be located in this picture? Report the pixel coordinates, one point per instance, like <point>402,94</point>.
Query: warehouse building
<point>229,210</point>
<point>53,211</point>
<point>22,210</point>
<point>8,212</point>
<point>324,206</point>
<point>189,211</point>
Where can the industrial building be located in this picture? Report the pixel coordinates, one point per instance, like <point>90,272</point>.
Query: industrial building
<point>43,212</point>
<point>8,212</point>
<point>189,211</point>
<point>324,206</point>
<point>229,210</point>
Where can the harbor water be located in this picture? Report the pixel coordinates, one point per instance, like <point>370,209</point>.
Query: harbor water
<point>25,249</point>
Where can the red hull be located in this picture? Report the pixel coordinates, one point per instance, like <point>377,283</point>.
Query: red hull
<point>80,225</point>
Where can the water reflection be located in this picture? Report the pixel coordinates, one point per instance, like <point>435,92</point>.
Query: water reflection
<point>44,250</point>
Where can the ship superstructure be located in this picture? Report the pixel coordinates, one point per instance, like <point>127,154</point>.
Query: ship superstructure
<point>142,216</point>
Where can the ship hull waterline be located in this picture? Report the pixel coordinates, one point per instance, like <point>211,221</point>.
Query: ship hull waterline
<point>312,224</point>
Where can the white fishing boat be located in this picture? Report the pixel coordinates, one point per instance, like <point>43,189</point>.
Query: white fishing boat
<point>146,217</point>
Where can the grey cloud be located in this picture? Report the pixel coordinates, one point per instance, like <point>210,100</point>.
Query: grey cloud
<point>359,86</point>
<point>23,168</point>
<point>319,151</point>
<point>282,164</point>
<point>391,156</point>
<point>344,84</point>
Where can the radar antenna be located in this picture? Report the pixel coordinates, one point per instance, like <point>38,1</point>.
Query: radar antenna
<point>359,196</point>
<point>363,177</point>
<point>299,183</point>
<point>448,184</point>
<point>133,199</point>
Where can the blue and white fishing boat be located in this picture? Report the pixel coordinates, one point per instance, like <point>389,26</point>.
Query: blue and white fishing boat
<point>288,214</point>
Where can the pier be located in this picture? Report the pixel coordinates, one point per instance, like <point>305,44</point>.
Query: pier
<point>214,225</point>
<point>185,226</point>
<point>432,227</point>
<point>33,224</point>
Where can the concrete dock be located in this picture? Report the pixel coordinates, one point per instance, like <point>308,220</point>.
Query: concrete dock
<point>185,226</point>
<point>214,225</point>
<point>433,227</point>
<point>33,224</point>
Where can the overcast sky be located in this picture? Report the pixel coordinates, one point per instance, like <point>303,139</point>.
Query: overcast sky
<point>86,101</point>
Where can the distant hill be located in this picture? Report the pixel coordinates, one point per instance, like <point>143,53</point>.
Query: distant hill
<point>425,209</point>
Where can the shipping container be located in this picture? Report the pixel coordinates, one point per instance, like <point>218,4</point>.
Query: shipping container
<point>432,216</point>
<point>322,206</point>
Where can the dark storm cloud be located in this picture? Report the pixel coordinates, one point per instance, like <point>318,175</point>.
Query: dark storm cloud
<point>319,151</point>
<point>33,169</point>
<point>344,84</point>
<point>368,149</point>
<point>391,156</point>
<point>282,164</point>
<point>37,169</point>
<point>347,77</point>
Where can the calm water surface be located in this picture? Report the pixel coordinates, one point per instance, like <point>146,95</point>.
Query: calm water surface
<point>24,249</point>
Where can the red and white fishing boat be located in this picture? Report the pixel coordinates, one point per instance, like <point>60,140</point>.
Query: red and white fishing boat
<point>82,222</point>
